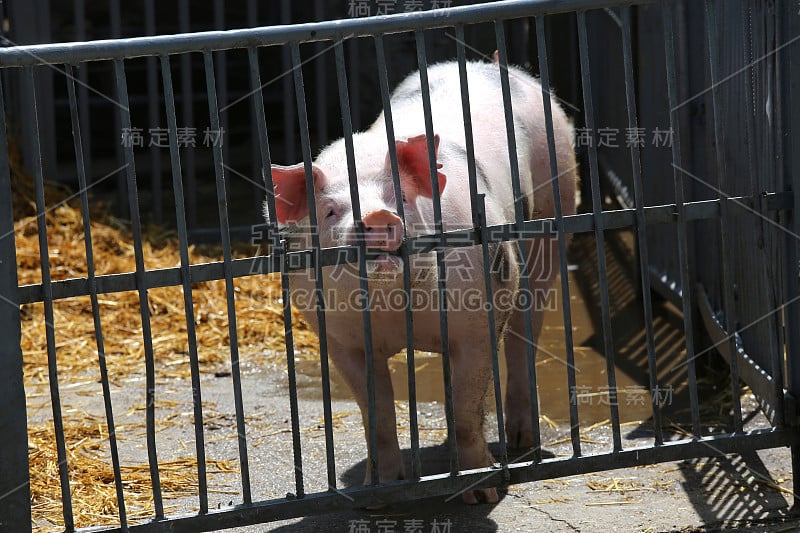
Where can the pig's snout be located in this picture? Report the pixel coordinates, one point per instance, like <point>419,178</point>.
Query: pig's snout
<point>383,230</point>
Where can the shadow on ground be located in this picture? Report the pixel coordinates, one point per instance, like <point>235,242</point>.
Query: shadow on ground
<point>439,514</point>
<point>725,493</point>
<point>735,491</point>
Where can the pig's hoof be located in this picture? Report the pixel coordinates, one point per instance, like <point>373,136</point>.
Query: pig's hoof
<point>472,497</point>
<point>518,436</point>
<point>379,506</point>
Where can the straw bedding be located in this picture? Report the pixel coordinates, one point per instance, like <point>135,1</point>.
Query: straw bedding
<point>260,329</point>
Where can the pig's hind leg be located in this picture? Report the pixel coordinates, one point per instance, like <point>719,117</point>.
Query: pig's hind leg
<point>352,366</point>
<point>543,265</point>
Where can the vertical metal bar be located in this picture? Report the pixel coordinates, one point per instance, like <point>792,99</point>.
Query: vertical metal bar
<point>289,131</point>
<point>83,91</point>
<point>353,53</point>
<point>219,24</point>
<point>369,356</point>
<point>641,224</point>
<point>516,188</point>
<point>597,209</point>
<point>472,172</point>
<point>683,257</point>
<point>252,13</point>
<point>544,78</point>
<point>116,32</point>
<point>364,289</point>
<point>5,38</point>
<point>144,307</point>
<point>15,506</point>
<point>771,167</point>
<point>416,464</point>
<point>187,116</point>
<point>25,30</point>
<point>221,62</point>
<point>419,37</point>
<point>278,250</point>
<point>180,205</point>
<point>233,335</point>
<point>157,207</point>
<point>101,352</point>
<point>262,141</point>
<point>197,406</point>
<point>729,310</point>
<point>479,221</point>
<point>115,18</point>
<point>44,80</point>
<point>258,192</point>
<point>487,281</point>
<point>300,102</point>
<point>321,81</point>
<point>787,148</point>
<point>478,205</point>
<point>523,248</point>
<point>47,289</point>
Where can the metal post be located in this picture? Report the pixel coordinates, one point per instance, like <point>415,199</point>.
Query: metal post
<point>28,28</point>
<point>15,494</point>
<point>788,26</point>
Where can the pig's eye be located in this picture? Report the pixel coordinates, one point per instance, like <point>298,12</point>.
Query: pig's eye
<point>330,213</point>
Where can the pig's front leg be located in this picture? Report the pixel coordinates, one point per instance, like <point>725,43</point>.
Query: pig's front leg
<point>352,366</point>
<point>471,371</point>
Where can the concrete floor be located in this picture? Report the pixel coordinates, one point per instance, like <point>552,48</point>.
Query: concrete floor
<point>735,493</point>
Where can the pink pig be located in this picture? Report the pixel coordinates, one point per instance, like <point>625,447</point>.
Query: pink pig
<point>468,330</point>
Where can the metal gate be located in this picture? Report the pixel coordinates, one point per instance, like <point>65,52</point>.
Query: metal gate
<point>695,235</point>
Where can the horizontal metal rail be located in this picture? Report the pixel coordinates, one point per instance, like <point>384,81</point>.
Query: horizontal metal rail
<point>18,56</point>
<point>445,484</point>
<point>301,260</point>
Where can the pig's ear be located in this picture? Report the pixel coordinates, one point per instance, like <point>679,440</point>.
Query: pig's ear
<point>291,202</point>
<point>412,160</point>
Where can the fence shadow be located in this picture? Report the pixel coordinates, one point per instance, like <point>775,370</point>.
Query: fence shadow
<point>628,325</point>
<point>628,328</point>
<point>734,491</point>
<point>441,513</point>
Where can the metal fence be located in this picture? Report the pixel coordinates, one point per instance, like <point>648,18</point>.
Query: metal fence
<point>729,150</point>
<point>44,21</point>
<point>714,222</point>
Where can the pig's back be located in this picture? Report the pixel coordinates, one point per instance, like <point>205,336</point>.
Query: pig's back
<point>488,125</point>
<point>489,132</point>
<point>486,102</point>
